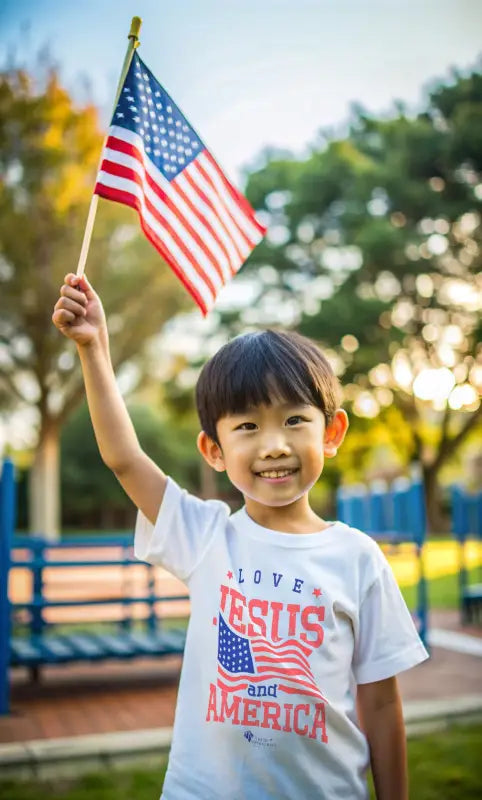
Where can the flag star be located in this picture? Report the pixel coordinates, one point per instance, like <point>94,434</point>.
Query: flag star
<point>157,152</point>
<point>141,131</point>
<point>148,90</point>
<point>148,149</point>
<point>126,89</point>
<point>157,94</point>
<point>158,105</point>
<point>188,151</point>
<point>155,127</point>
<point>177,123</point>
<point>172,146</point>
<point>140,86</point>
<point>316,592</point>
<point>133,108</point>
<point>150,101</point>
<point>145,109</point>
<point>173,158</point>
<point>171,133</point>
<point>137,119</point>
<point>169,109</point>
<point>165,155</point>
<point>181,160</point>
<point>131,99</point>
<point>163,130</point>
<point>180,149</point>
<point>143,97</point>
<point>145,76</point>
<point>169,120</point>
<point>148,138</point>
<point>179,136</point>
<point>156,138</point>
<point>185,128</point>
<point>152,113</point>
<point>164,142</point>
<point>119,114</point>
<point>185,139</point>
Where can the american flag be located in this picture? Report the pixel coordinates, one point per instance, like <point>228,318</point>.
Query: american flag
<point>155,162</point>
<point>243,660</point>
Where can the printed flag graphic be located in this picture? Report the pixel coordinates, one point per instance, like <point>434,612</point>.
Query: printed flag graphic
<point>242,661</point>
<point>154,162</point>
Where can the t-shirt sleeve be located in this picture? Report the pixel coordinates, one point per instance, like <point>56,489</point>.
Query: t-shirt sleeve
<point>387,642</point>
<point>182,533</point>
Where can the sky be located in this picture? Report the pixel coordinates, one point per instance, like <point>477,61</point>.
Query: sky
<point>258,72</point>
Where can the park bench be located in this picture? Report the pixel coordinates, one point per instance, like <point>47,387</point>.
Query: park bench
<point>466,525</point>
<point>393,515</point>
<point>65,615</point>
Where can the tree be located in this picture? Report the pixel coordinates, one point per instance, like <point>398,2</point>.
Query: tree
<point>379,237</point>
<point>49,151</point>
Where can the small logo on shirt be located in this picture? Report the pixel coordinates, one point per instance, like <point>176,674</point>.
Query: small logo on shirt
<point>258,741</point>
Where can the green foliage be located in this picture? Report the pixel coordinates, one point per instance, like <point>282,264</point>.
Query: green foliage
<point>91,495</point>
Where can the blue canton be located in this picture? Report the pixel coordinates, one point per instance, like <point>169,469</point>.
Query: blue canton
<point>234,652</point>
<point>146,108</point>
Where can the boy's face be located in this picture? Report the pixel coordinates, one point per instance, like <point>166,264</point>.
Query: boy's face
<point>274,453</point>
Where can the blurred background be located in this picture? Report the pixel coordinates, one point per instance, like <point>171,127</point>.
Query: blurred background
<point>355,131</point>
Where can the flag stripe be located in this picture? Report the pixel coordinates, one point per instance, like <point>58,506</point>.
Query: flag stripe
<point>201,177</point>
<point>238,198</point>
<point>197,196</point>
<point>176,261</point>
<point>166,216</point>
<point>121,148</point>
<point>251,232</point>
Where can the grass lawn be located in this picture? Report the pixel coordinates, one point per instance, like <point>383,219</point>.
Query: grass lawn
<point>443,592</point>
<point>443,766</point>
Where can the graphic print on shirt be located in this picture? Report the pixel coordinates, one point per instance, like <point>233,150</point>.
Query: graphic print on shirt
<point>264,649</point>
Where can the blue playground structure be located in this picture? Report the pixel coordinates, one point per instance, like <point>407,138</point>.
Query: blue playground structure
<point>392,515</point>
<point>466,525</point>
<point>30,640</point>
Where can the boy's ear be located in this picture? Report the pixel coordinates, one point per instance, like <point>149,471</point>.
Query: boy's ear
<point>335,433</point>
<point>210,451</point>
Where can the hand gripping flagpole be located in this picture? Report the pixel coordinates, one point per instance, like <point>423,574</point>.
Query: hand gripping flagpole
<point>133,43</point>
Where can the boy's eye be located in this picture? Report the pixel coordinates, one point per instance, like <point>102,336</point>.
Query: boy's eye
<point>246,426</point>
<point>295,420</point>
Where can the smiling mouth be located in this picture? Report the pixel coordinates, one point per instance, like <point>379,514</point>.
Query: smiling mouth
<point>276,473</point>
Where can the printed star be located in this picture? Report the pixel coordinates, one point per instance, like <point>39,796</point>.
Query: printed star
<point>215,620</point>
<point>316,592</point>
<point>230,574</point>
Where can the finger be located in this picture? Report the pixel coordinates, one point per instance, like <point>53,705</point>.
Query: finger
<point>71,305</point>
<point>74,294</point>
<point>62,317</point>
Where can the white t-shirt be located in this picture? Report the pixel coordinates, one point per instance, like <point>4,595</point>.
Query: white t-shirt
<point>283,627</point>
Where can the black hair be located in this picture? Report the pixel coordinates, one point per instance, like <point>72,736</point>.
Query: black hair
<point>254,368</point>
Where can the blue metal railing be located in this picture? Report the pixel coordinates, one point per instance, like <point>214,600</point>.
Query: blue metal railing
<point>392,514</point>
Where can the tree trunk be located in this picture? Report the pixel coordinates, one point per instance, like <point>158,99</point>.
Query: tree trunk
<point>436,522</point>
<point>208,481</point>
<point>44,486</point>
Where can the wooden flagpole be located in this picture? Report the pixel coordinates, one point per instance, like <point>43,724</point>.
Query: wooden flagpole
<point>133,43</point>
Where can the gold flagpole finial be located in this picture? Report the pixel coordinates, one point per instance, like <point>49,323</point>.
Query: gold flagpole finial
<point>135,29</point>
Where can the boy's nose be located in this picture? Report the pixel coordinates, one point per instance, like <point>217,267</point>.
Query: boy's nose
<point>274,446</point>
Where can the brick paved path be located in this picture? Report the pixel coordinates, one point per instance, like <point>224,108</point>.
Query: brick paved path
<point>100,698</point>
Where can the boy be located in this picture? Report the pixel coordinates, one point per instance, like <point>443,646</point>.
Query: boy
<point>297,629</point>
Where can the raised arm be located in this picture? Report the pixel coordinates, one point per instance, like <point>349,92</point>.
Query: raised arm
<point>79,315</point>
